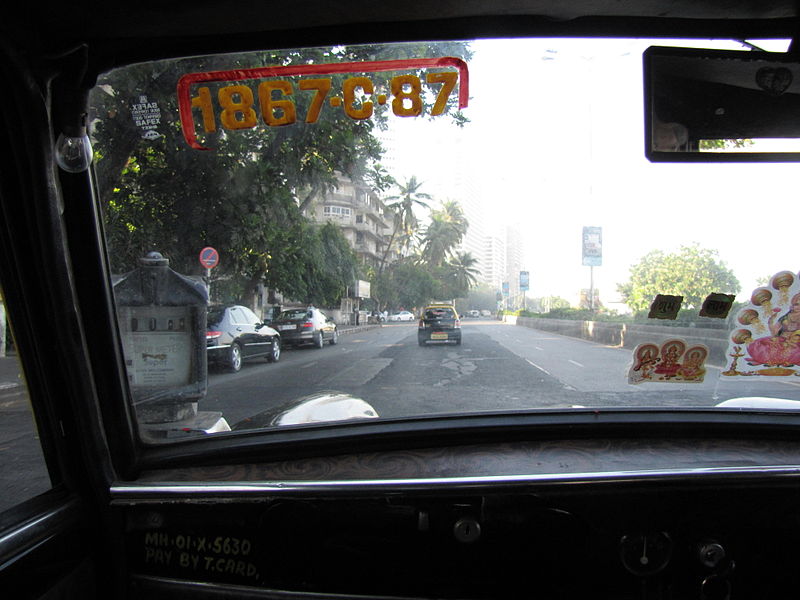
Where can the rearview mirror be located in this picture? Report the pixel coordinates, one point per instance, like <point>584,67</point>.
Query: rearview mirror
<point>721,105</point>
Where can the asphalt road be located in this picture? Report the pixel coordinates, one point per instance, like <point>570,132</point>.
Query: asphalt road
<point>497,367</point>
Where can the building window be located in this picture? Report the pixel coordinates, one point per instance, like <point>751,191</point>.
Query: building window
<point>336,211</point>
<point>359,237</point>
<point>359,218</point>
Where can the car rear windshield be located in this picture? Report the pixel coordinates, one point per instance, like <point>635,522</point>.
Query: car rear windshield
<point>439,313</point>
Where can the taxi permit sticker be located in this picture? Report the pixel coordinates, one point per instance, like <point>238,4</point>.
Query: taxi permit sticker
<point>672,361</point>
<point>146,116</point>
<point>665,307</point>
<point>765,338</point>
<point>717,306</point>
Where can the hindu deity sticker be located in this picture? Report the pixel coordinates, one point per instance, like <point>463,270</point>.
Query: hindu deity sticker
<point>766,338</point>
<point>673,361</point>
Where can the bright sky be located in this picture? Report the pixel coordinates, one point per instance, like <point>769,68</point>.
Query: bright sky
<point>537,166</point>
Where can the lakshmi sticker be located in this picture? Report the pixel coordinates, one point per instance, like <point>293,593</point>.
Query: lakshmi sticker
<point>766,337</point>
<point>672,361</point>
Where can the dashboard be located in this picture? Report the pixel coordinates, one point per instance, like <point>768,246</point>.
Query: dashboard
<point>673,519</point>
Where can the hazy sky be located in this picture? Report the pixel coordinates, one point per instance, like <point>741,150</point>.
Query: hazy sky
<point>555,143</point>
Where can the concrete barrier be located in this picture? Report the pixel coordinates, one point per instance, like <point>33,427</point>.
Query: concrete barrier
<point>630,335</point>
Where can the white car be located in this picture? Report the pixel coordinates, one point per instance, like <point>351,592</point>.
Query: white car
<point>403,315</point>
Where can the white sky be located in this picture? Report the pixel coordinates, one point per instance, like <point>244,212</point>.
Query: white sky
<point>539,168</point>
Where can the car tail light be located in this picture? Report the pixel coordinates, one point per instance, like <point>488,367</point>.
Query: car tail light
<point>304,325</point>
<point>212,335</point>
<point>458,323</point>
<point>422,324</point>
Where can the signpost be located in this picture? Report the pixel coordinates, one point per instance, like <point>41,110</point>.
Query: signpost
<point>209,258</point>
<point>592,255</point>
<point>524,282</point>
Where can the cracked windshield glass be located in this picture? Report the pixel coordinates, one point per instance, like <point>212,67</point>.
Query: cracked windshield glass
<point>352,233</point>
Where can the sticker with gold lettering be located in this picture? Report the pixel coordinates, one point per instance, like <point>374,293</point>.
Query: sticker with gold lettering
<point>242,99</point>
<point>665,307</point>
<point>717,306</point>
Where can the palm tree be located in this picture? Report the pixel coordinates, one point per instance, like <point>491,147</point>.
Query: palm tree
<point>463,270</point>
<point>405,221</point>
<point>445,232</point>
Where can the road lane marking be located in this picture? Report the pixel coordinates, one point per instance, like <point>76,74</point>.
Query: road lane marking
<point>307,365</point>
<point>539,348</point>
<point>575,362</point>
<point>533,364</point>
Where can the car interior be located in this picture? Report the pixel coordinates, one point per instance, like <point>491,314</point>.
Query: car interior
<point>628,501</point>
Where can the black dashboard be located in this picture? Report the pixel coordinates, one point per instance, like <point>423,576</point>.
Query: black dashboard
<point>396,525</point>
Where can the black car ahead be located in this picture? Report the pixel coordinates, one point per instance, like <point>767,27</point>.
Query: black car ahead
<point>236,333</point>
<point>439,323</point>
<point>298,326</point>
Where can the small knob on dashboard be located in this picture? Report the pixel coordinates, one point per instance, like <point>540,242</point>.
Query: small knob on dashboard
<point>710,554</point>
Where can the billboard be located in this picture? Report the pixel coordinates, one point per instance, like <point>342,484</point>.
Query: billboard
<point>505,289</point>
<point>592,246</point>
<point>524,281</point>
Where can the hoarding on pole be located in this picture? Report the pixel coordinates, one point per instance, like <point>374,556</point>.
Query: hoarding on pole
<point>592,246</point>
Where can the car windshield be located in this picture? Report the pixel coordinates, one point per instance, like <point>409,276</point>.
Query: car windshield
<point>507,178</point>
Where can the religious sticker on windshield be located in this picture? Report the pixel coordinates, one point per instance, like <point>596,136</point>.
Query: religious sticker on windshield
<point>765,338</point>
<point>673,361</point>
<point>665,307</point>
<point>717,306</point>
<point>278,96</point>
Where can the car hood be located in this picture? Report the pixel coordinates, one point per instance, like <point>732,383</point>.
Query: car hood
<point>321,407</point>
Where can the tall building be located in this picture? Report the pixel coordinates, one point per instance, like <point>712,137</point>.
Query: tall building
<point>514,254</point>
<point>360,214</point>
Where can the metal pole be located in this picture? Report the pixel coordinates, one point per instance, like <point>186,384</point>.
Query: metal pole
<point>208,283</point>
<point>591,288</point>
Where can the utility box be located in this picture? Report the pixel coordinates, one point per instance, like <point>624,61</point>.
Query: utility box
<point>162,321</point>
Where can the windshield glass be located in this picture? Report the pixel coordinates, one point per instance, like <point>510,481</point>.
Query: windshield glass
<point>506,178</point>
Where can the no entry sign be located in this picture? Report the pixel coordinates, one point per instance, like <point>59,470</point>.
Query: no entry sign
<point>209,257</point>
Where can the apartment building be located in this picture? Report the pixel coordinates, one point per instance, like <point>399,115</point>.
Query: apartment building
<point>362,217</point>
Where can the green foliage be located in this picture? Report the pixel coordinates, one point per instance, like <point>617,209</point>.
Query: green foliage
<point>692,272</point>
<point>404,284</point>
<point>446,229</point>
<point>724,144</point>
<point>245,196</point>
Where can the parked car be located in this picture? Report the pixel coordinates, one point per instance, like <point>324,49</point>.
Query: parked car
<point>299,326</point>
<point>474,313</point>
<point>439,323</point>
<point>486,313</point>
<point>403,315</point>
<point>235,333</point>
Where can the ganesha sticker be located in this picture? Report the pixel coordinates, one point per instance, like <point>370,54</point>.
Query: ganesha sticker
<point>673,361</point>
<point>766,337</point>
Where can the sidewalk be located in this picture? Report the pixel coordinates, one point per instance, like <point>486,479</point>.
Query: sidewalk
<point>348,329</point>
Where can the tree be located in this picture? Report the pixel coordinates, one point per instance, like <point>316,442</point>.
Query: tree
<point>404,284</point>
<point>692,272</point>
<point>447,228</point>
<point>245,197</point>
<point>405,221</point>
<point>463,272</point>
